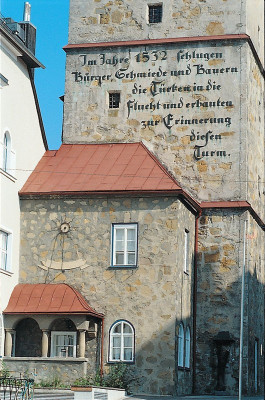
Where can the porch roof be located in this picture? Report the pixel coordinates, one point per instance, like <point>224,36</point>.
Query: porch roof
<point>48,299</point>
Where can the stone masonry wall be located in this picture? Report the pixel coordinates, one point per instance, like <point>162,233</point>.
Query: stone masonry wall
<point>154,297</point>
<point>102,20</point>
<point>255,139</point>
<point>219,296</point>
<point>46,369</point>
<point>175,98</point>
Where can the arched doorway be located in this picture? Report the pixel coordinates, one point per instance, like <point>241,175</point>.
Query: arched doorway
<point>28,339</point>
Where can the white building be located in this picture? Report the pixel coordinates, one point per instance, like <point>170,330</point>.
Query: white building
<point>22,141</point>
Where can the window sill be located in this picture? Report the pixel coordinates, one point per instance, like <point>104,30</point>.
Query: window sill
<point>7,175</point>
<point>123,267</point>
<point>8,273</point>
<point>123,362</point>
<point>47,359</point>
<point>184,369</point>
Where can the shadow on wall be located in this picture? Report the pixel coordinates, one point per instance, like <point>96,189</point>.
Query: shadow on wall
<point>163,364</point>
<point>218,340</point>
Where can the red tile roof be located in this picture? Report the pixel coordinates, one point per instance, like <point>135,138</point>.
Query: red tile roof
<point>97,168</point>
<point>48,299</point>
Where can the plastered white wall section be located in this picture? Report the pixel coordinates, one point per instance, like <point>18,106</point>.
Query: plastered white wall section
<point>18,117</point>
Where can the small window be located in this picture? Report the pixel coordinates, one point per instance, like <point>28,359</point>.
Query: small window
<point>6,152</point>
<point>181,346</point>
<point>124,244</point>
<point>114,99</point>
<point>155,14</point>
<point>187,348</point>
<point>4,248</point>
<point>186,251</point>
<point>63,344</point>
<point>121,342</point>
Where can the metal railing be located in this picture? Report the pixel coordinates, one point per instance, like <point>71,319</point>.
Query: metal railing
<point>16,389</point>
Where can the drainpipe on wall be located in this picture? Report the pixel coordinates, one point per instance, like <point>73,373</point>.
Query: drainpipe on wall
<point>242,311</point>
<point>102,343</point>
<point>195,301</point>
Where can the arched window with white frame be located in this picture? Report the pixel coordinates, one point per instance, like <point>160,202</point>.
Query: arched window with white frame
<point>187,348</point>
<point>181,346</point>
<point>121,342</point>
<point>6,152</point>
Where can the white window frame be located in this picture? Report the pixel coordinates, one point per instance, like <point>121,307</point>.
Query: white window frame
<point>187,348</point>
<point>181,346</point>
<point>186,251</point>
<point>55,334</point>
<point>122,336</point>
<point>125,228</point>
<point>5,252</point>
<point>7,156</point>
<point>6,152</point>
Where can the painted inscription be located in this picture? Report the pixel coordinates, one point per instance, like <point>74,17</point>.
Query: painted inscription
<point>185,92</point>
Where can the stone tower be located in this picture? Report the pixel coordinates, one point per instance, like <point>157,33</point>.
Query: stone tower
<point>187,78</point>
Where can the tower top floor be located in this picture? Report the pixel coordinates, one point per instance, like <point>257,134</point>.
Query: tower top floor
<point>121,20</point>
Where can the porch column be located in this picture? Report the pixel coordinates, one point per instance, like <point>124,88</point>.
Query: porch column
<point>82,342</point>
<point>8,342</point>
<point>45,342</point>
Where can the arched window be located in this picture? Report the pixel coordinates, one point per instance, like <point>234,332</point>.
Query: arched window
<point>6,152</point>
<point>181,346</point>
<point>121,342</point>
<point>187,348</point>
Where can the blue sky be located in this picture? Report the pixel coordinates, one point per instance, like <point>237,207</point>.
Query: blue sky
<point>51,20</point>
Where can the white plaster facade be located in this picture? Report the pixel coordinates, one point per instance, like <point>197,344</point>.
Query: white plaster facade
<point>22,123</point>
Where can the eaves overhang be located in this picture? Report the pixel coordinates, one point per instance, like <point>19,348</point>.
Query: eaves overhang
<point>240,205</point>
<point>29,58</point>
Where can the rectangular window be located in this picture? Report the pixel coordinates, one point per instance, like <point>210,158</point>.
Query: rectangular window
<point>114,99</point>
<point>124,245</point>
<point>63,344</point>
<point>186,251</point>
<point>155,13</point>
<point>4,249</point>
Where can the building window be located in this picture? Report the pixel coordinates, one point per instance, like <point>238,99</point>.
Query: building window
<point>121,342</point>
<point>181,346</point>
<point>6,152</point>
<point>187,348</point>
<point>114,99</point>
<point>155,13</point>
<point>124,245</point>
<point>63,344</point>
<point>5,249</point>
<point>186,251</point>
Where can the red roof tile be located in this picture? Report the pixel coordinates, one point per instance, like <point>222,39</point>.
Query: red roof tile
<point>98,168</point>
<point>48,299</point>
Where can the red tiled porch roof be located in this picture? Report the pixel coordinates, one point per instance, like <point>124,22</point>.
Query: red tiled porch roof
<point>99,168</point>
<point>48,299</point>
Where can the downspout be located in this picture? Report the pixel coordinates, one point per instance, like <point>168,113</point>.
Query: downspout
<point>194,326</point>
<point>102,343</point>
